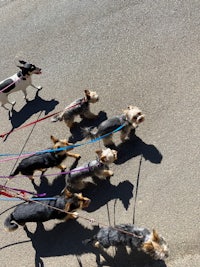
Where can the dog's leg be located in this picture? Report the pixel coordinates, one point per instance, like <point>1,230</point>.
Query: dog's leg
<point>61,167</point>
<point>89,115</point>
<point>107,173</point>
<point>42,171</point>
<point>72,155</point>
<point>124,133</point>
<point>4,100</point>
<point>96,244</point>
<point>70,123</point>
<point>71,215</point>
<point>25,94</point>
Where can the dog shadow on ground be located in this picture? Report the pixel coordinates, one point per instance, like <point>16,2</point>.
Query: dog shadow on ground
<point>124,258</point>
<point>64,239</point>
<point>17,118</point>
<point>103,192</point>
<point>67,238</point>
<point>100,193</point>
<point>134,147</point>
<point>77,130</point>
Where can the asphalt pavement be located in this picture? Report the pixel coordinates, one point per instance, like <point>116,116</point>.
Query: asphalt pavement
<point>134,52</point>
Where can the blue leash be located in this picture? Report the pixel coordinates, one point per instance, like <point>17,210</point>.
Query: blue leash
<point>69,147</point>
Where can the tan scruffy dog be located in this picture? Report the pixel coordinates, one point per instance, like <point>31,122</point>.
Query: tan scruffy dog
<point>99,167</point>
<point>42,161</point>
<point>134,237</point>
<point>130,119</point>
<point>79,107</point>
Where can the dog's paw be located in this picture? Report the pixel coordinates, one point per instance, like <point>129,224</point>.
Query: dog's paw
<point>13,103</point>
<point>39,87</point>
<point>75,215</point>
<point>78,156</point>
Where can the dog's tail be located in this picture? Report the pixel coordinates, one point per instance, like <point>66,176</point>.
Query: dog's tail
<point>9,225</point>
<point>17,171</point>
<point>88,132</point>
<point>57,117</point>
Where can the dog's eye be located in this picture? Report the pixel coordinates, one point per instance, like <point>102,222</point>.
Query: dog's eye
<point>135,117</point>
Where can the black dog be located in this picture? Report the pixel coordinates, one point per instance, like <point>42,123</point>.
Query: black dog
<point>44,210</point>
<point>45,160</point>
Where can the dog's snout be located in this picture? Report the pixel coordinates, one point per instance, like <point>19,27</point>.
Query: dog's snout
<point>140,119</point>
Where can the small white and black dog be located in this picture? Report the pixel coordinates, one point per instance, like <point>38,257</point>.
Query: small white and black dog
<point>80,107</point>
<point>19,81</point>
<point>131,118</point>
<point>99,168</point>
<point>134,237</point>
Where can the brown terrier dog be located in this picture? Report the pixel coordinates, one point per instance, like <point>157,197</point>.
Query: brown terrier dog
<point>46,160</point>
<point>134,237</point>
<point>45,210</point>
<point>79,107</point>
<point>130,119</point>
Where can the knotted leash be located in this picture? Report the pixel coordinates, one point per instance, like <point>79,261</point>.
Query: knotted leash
<point>90,220</point>
<point>5,190</point>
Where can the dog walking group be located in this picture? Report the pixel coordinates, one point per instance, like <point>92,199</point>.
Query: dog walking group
<point>65,206</point>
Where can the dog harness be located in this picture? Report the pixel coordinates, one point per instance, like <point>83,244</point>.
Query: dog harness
<point>77,107</point>
<point>39,161</point>
<point>86,170</point>
<point>112,237</point>
<point>111,124</point>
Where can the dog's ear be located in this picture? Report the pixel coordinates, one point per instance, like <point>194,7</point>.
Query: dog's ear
<point>125,111</point>
<point>98,152</point>
<point>148,247</point>
<point>115,154</point>
<point>22,62</point>
<point>103,158</point>
<point>128,108</point>
<point>87,94</point>
<point>78,195</point>
<point>155,236</point>
<point>54,139</point>
<point>67,193</point>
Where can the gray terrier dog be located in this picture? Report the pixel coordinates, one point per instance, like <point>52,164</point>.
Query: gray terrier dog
<point>136,238</point>
<point>75,180</point>
<point>80,107</point>
<point>130,119</point>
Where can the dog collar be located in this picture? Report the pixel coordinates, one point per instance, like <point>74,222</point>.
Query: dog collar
<point>20,75</point>
<point>98,163</point>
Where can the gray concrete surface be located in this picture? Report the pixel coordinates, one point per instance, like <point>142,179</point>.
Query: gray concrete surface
<point>144,53</point>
